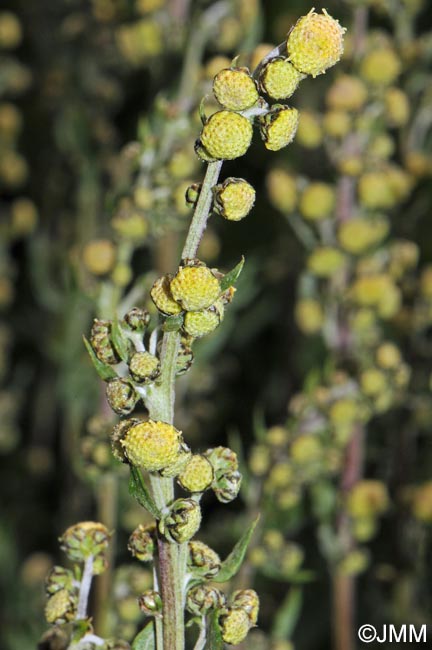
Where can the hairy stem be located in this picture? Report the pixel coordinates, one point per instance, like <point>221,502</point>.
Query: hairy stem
<point>84,589</point>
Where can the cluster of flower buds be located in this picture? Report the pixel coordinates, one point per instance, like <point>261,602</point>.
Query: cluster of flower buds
<point>196,295</point>
<point>85,541</point>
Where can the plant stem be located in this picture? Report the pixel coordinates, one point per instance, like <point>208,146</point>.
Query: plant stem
<point>201,214</point>
<point>84,590</point>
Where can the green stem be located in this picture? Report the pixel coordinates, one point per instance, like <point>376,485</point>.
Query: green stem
<point>202,210</point>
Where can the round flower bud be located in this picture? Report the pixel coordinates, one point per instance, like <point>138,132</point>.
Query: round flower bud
<point>182,521</point>
<point>195,287</point>
<point>279,78</point>
<point>235,625</point>
<point>60,607</point>
<point>337,124</point>
<point>10,30</point>
<point>368,498</point>
<point>24,216</point>
<point>422,502</point>
<point>100,340</point>
<point>315,43</point>
<point>278,127</point>
<point>142,542</point>
<point>227,486</point>
<point>223,460</point>
<point>309,132</point>
<point>373,382</point>
<point>144,366</point>
<point>137,319</point>
<point>201,323</point>
<point>58,578</point>
<point>152,445</point>
<point>197,475</point>
<point>359,234</point>
<point>203,561</point>
<point>381,67</point>
<point>317,201</point>
<point>161,295</point>
<point>88,538</point>
<point>282,190</point>
<point>121,396</point>
<point>247,599</point>
<point>99,256</point>
<point>150,602</point>
<point>233,199</point>
<point>235,89</point>
<point>203,598</point>
<point>397,107</point>
<point>226,135</point>
<point>325,261</point>
<point>347,93</point>
<point>309,316</point>
<point>388,356</point>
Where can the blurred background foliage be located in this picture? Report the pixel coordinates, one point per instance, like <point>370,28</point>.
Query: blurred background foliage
<point>98,117</point>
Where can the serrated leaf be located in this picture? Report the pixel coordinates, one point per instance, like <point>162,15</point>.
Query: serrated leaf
<point>120,341</point>
<point>230,278</point>
<point>105,371</point>
<point>214,635</point>
<point>233,562</point>
<point>145,640</point>
<point>173,323</point>
<point>288,614</point>
<point>139,490</point>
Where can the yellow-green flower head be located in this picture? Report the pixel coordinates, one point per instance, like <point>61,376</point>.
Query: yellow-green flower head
<point>279,126</point>
<point>309,132</point>
<point>161,295</point>
<point>359,234</point>
<point>375,192</point>
<point>121,396</point>
<point>150,602</point>
<point>282,190</point>
<point>309,315</point>
<point>144,366</point>
<point>279,78</point>
<point>234,198</point>
<point>337,124</point>
<point>370,290</point>
<point>306,449</point>
<point>59,578</point>
<point>203,598</point>
<point>347,93</point>
<point>317,201</point>
<point>142,542</point>
<point>368,498</point>
<point>10,30</point>
<point>182,521</point>
<point>203,560</point>
<point>226,135</point>
<point>235,625</point>
<point>422,502</point>
<point>152,445</point>
<point>325,261</point>
<point>315,43</point>
<point>388,356</point>
<point>248,600</point>
<point>373,382</point>
<point>381,67</point>
<point>195,287</point>
<point>397,107</point>
<point>88,538</point>
<point>197,475</point>
<point>235,89</point>
<point>60,607</point>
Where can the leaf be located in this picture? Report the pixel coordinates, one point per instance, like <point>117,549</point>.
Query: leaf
<point>138,489</point>
<point>230,278</point>
<point>173,323</point>
<point>105,371</point>
<point>288,614</point>
<point>119,340</point>
<point>145,639</point>
<point>214,635</point>
<point>233,562</point>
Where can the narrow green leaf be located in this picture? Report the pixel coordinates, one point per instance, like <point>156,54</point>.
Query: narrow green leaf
<point>230,278</point>
<point>233,562</point>
<point>214,635</point>
<point>105,371</point>
<point>120,341</point>
<point>138,489</point>
<point>145,639</point>
<point>173,323</point>
<point>288,614</point>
